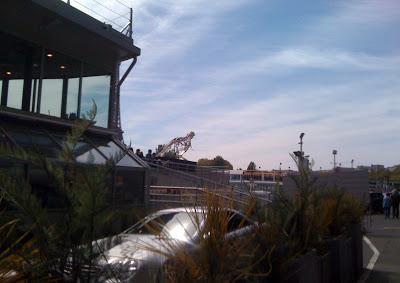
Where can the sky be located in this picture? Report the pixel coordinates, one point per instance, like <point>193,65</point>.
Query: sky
<point>248,76</point>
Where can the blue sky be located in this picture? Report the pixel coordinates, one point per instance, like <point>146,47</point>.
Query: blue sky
<point>248,76</point>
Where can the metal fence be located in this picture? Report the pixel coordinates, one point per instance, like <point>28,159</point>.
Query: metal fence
<point>116,13</point>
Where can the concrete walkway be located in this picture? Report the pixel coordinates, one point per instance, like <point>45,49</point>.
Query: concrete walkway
<point>385,236</point>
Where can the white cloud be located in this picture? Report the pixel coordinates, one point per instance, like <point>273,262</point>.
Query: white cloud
<point>161,99</point>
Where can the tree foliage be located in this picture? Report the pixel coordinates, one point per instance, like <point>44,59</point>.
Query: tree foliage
<point>217,161</point>
<point>252,166</point>
<point>385,175</point>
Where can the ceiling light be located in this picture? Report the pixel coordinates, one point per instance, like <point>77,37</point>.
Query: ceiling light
<point>62,67</point>
<point>8,73</point>
<point>49,55</point>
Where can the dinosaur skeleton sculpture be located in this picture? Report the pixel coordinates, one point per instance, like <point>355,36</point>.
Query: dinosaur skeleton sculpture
<point>178,145</point>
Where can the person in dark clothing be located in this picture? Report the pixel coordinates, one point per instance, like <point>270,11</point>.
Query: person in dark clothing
<point>395,201</point>
<point>386,206</point>
<point>148,155</point>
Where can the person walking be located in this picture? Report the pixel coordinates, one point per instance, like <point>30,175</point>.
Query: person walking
<point>395,201</point>
<point>386,205</point>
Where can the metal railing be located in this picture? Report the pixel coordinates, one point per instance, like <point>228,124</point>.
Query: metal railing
<point>118,14</point>
<point>193,176</point>
<point>174,196</point>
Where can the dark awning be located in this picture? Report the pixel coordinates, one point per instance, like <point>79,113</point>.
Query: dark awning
<point>91,149</point>
<point>65,29</point>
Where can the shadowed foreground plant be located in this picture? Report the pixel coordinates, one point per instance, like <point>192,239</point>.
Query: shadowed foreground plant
<point>58,244</point>
<point>219,255</point>
<point>295,225</point>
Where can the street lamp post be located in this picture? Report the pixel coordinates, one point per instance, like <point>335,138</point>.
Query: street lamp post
<point>334,152</point>
<point>301,143</point>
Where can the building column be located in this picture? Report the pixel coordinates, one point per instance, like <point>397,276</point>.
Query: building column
<point>27,89</point>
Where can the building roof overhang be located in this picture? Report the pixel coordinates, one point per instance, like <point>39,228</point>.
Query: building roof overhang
<point>63,28</point>
<point>30,129</point>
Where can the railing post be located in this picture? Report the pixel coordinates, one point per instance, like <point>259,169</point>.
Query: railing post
<point>130,22</point>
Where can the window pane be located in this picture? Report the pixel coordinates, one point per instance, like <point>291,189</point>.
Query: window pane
<point>15,94</point>
<point>96,89</point>
<point>111,150</point>
<point>51,97</point>
<point>128,161</point>
<point>72,96</point>
<point>85,153</point>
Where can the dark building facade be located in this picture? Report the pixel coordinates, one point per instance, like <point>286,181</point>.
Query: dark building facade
<point>56,63</point>
<point>351,180</point>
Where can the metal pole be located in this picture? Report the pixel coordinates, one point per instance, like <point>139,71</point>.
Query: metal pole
<point>130,22</point>
<point>39,95</point>
<point>334,152</point>
<point>301,146</point>
<point>78,110</point>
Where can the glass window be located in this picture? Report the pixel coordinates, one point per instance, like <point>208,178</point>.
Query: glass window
<point>128,161</point>
<point>85,153</point>
<point>235,177</point>
<point>15,88</point>
<point>111,150</point>
<point>176,225</point>
<point>236,222</point>
<point>34,141</point>
<point>72,97</point>
<point>1,86</point>
<point>96,89</point>
<point>51,97</point>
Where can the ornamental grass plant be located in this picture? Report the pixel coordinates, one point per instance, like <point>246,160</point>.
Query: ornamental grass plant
<point>41,245</point>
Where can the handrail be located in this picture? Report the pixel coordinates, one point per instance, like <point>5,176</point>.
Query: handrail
<point>125,30</point>
<point>189,175</point>
<point>196,189</point>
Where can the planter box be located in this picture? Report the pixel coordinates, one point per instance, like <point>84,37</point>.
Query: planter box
<point>337,249</point>
<point>303,270</point>
<point>357,246</point>
<point>343,263</point>
<point>325,266</point>
<point>349,272</point>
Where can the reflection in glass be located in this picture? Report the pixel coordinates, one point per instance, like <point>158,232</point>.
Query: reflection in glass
<point>85,153</point>
<point>34,141</point>
<point>176,225</point>
<point>51,97</point>
<point>15,88</point>
<point>72,96</point>
<point>111,150</point>
<point>34,95</point>
<point>128,161</point>
<point>96,89</point>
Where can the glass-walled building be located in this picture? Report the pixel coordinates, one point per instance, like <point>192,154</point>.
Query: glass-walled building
<point>39,80</point>
<point>57,64</point>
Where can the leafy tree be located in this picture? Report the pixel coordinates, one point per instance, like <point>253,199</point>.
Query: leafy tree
<point>217,161</point>
<point>252,166</point>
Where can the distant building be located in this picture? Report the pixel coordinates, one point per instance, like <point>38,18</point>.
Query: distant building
<point>376,167</point>
<point>256,180</point>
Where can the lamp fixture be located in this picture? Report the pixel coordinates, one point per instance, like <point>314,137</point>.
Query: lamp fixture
<point>62,67</point>
<point>8,73</point>
<point>49,55</point>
